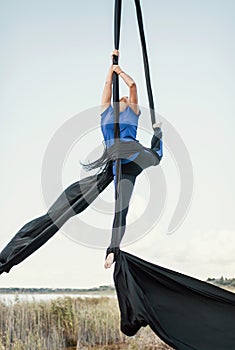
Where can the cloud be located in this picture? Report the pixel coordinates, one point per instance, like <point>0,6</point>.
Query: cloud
<point>201,254</point>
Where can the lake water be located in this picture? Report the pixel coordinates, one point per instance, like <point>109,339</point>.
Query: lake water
<point>11,297</point>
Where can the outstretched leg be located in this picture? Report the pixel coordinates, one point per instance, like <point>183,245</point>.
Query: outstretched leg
<point>73,200</point>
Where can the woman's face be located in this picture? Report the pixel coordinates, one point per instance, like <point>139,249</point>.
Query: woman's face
<point>124,101</point>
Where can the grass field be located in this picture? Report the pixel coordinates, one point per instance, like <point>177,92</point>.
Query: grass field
<point>67,323</point>
<point>70,323</point>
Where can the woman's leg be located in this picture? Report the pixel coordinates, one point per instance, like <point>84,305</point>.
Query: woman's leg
<point>126,186</point>
<point>119,223</point>
<point>151,156</point>
<point>156,143</point>
<point>73,200</point>
<point>130,171</point>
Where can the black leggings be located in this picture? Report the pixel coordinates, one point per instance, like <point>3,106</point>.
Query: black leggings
<point>129,173</point>
<point>125,189</point>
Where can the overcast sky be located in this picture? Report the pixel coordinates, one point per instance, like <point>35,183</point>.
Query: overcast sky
<point>54,60</point>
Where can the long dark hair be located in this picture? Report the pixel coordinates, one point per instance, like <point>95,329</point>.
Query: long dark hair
<point>99,163</point>
<point>119,150</point>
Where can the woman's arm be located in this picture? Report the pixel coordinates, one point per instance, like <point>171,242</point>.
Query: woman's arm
<point>107,92</point>
<point>133,96</point>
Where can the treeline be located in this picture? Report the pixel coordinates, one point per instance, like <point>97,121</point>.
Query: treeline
<point>56,290</point>
<point>222,281</point>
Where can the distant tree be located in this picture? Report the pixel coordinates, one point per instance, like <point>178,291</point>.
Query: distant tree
<point>221,280</point>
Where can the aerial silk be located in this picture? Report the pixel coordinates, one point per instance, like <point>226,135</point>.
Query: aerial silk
<point>117,27</point>
<point>184,312</point>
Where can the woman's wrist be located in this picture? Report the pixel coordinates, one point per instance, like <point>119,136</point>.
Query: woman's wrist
<point>117,69</point>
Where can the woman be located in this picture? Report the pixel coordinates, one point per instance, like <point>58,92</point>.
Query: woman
<point>80,194</point>
<point>133,165</point>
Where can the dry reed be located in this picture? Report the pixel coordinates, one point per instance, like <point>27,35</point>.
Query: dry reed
<point>82,323</point>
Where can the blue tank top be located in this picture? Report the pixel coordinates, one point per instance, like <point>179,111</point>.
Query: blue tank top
<point>128,123</point>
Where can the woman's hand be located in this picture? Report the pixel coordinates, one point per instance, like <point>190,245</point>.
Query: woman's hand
<point>114,53</point>
<point>117,69</point>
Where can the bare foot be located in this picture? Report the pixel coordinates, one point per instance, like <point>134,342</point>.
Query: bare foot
<point>157,125</point>
<point>109,260</point>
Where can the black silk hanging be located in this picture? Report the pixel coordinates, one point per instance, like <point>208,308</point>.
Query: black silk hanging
<point>117,27</point>
<point>186,313</point>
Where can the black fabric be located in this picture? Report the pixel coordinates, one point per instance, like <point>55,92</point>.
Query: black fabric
<point>145,60</point>
<point>117,27</point>
<point>186,313</point>
<point>36,232</point>
<point>118,171</point>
